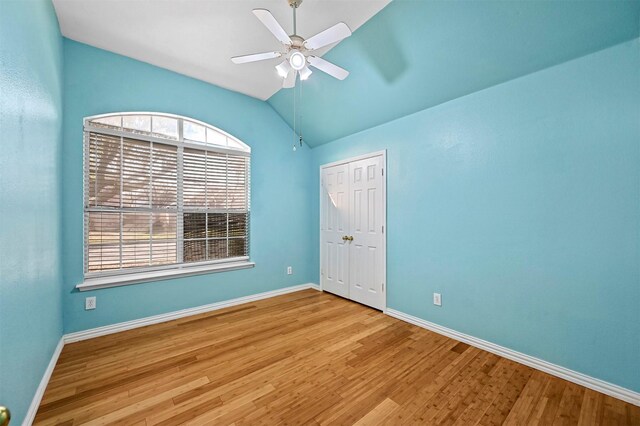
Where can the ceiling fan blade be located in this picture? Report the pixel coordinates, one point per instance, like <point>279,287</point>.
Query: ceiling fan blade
<point>255,57</point>
<point>290,80</point>
<point>332,34</point>
<point>272,25</point>
<point>326,66</point>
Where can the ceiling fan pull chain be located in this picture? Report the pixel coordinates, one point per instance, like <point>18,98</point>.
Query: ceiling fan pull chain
<point>301,90</point>
<point>294,118</point>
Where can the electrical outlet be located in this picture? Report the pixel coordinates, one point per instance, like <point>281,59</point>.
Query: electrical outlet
<point>437,299</point>
<point>89,303</point>
<point>289,270</point>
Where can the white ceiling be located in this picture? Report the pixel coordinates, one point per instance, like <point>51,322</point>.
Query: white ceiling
<point>198,37</point>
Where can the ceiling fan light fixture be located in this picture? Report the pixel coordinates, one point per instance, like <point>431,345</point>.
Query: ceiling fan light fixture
<point>283,68</point>
<point>297,61</point>
<point>305,73</point>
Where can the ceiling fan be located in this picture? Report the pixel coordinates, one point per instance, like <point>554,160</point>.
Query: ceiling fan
<point>297,51</point>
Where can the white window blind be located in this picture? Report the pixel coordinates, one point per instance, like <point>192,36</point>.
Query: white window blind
<point>162,192</point>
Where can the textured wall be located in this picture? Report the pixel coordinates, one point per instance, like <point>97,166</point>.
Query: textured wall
<point>30,129</point>
<point>521,205</point>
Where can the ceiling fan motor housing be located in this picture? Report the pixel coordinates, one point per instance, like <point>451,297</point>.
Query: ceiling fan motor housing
<point>297,42</point>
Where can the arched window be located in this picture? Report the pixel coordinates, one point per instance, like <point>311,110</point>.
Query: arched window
<point>162,192</point>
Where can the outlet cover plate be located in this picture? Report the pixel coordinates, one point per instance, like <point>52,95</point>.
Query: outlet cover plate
<point>90,303</point>
<point>437,299</point>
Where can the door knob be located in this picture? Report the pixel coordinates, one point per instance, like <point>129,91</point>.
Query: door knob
<point>345,238</point>
<point>350,238</point>
<point>5,416</point>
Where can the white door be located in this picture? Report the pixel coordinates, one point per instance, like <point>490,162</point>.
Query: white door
<point>366,252</point>
<point>334,223</point>
<point>352,218</point>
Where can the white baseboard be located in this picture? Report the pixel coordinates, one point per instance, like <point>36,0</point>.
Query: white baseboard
<point>607,388</point>
<point>142,322</point>
<point>35,402</point>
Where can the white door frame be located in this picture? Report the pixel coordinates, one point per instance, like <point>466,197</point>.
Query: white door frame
<point>382,153</point>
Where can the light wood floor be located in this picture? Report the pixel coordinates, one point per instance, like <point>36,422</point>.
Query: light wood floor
<point>306,358</point>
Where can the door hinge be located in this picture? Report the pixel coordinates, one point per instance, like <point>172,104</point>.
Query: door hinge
<point>382,172</point>
<point>383,287</point>
<point>383,229</point>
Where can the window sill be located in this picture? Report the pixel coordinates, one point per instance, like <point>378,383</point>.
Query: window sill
<point>141,277</point>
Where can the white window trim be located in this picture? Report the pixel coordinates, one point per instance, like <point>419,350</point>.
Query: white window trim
<point>159,275</point>
<point>122,277</point>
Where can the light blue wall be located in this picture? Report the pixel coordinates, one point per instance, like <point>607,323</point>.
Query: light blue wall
<point>96,82</point>
<point>30,135</point>
<point>521,205</point>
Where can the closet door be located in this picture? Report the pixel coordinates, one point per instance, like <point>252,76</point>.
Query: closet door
<point>366,221</point>
<point>334,223</point>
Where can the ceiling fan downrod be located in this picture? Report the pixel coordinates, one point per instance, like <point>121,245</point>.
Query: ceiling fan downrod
<point>294,5</point>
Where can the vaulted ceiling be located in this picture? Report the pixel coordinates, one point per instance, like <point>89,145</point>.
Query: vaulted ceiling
<point>405,56</point>
<point>198,37</point>
<point>417,54</point>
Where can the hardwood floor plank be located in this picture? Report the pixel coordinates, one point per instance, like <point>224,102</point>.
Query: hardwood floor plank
<point>592,408</point>
<point>125,413</point>
<point>568,412</point>
<point>306,358</point>
<point>498,378</point>
<point>379,414</point>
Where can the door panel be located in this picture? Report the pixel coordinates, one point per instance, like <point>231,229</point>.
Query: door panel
<point>334,222</point>
<point>352,204</point>
<point>366,272</point>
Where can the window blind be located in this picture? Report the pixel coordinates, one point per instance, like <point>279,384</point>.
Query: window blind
<point>155,204</point>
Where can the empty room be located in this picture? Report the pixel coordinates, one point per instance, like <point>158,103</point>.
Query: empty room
<point>319,212</point>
